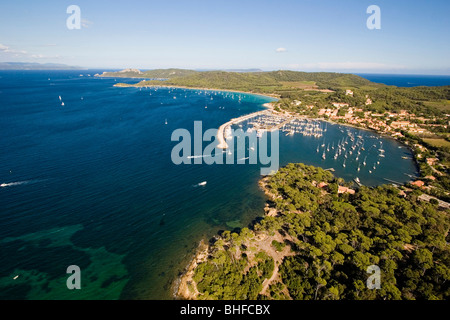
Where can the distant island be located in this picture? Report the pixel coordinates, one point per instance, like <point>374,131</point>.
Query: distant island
<point>36,66</point>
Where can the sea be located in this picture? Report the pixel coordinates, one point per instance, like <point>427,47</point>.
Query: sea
<point>408,80</point>
<point>87,180</point>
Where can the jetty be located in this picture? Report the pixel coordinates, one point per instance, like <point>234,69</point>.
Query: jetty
<point>221,132</point>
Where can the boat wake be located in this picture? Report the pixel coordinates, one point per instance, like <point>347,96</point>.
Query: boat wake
<point>200,184</point>
<point>18,183</point>
<point>194,157</point>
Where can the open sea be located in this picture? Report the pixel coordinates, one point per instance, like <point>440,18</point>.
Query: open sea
<point>408,80</point>
<point>91,182</point>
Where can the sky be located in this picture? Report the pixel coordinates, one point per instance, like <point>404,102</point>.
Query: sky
<point>306,35</point>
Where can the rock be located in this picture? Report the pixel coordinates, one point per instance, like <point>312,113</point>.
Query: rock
<point>131,70</point>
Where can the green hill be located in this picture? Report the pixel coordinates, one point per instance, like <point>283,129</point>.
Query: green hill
<point>324,80</point>
<point>265,82</point>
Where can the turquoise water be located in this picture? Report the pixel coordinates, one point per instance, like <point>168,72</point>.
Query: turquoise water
<point>91,183</point>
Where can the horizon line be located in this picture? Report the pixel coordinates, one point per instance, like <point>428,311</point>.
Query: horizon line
<point>242,70</point>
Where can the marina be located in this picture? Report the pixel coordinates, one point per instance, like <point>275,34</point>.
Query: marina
<point>269,121</point>
<point>350,150</point>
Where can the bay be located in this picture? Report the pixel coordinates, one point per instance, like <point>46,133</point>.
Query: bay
<point>91,182</point>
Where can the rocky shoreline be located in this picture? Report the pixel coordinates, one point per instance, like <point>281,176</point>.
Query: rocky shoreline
<point>185,287</point>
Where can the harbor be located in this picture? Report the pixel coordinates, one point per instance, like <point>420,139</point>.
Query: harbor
<point>269,121</point>
<point>350,151</point>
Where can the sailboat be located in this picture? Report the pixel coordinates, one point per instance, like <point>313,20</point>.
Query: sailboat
<point>165,122</point>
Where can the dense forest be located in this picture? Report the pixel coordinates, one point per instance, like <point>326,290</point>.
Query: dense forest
<point>249,81</point>
<point>328,242</point>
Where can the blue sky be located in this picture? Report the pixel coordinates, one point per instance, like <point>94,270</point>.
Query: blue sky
<point>310,35</point>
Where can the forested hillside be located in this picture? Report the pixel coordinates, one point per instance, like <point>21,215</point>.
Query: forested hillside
<point>322,242</point>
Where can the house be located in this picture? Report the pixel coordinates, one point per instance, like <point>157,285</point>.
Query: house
<point>401,124</point>
<point>322,184</point>
<point>349,93</point>
<point>342,189</point>
<point>418,183</point>
<point>397,134</point>
<point>339,105</point>
<point>418,130</point>
<point>420,147</point>
<point>328,112</point>
<point>432,161</point>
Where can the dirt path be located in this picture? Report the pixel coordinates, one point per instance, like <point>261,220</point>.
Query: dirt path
<point>265,244</point>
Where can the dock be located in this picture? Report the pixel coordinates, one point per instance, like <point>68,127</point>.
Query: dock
<point>220,133</point>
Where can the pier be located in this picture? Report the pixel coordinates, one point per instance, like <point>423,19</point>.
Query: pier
<point>220,133</point>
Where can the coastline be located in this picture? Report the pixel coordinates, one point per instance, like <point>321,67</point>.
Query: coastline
<point>183,286</point>
<point>266,95</point>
